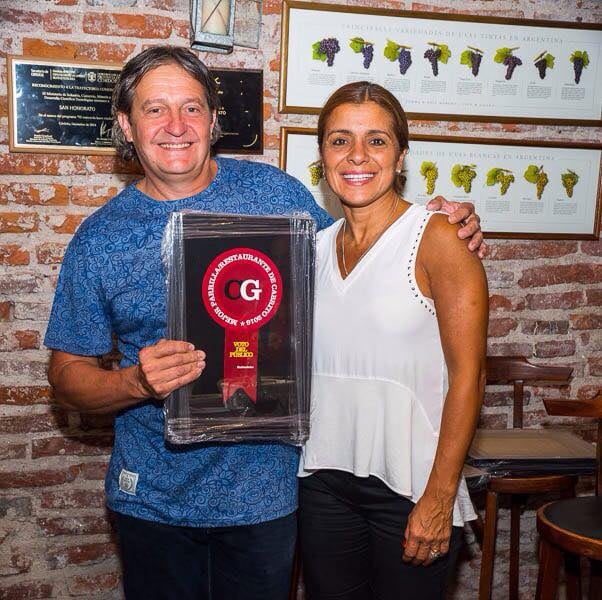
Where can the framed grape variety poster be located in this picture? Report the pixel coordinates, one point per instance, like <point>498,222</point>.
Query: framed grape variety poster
<point>520,189</point>
<point>444,66</point>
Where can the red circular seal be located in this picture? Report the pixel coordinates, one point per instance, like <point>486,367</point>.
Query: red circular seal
<point>242,289</point>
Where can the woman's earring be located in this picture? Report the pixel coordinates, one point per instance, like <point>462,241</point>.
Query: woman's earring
<point>316,172</point>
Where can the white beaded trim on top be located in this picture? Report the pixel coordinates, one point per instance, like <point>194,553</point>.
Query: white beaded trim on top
<point>412,266</point>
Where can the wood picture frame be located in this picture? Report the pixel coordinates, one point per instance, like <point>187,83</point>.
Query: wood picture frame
<point>454,92</point>
<point>518,213</point>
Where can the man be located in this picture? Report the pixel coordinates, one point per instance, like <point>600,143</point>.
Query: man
<point>207,521</point>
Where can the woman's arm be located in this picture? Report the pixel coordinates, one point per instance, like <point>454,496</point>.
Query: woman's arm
<point>447,272</point>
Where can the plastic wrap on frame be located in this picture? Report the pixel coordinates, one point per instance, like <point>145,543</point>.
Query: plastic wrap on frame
<point>529,452</point>
<point>206,411</point>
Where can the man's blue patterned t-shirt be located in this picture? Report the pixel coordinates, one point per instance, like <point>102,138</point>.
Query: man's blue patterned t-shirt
<point>112,280</point>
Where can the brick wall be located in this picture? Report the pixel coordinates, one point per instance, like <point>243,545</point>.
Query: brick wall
<point>56,540</point>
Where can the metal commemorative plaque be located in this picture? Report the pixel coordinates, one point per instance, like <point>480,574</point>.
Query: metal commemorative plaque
<point>65,107</point>
<point>60,106</point>
<point>241,113</point>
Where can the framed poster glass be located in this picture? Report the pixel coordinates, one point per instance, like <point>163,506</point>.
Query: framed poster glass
<point>520,189</point>
<point>444,66</point>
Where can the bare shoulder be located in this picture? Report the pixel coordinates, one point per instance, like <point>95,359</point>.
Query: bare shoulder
<point>441,234</point>
<point>442,249</point>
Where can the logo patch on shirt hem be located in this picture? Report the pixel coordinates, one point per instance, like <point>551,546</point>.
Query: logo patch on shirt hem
<point>128,482</point>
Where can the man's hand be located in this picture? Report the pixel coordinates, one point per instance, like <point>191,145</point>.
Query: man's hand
<point>166,366</point>
<point>463,212</point>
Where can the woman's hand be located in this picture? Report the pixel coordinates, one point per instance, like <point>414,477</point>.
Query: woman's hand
<point>464,213</point>
<point>429,529</point>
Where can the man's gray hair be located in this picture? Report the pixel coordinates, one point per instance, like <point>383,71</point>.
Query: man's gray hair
<point>137,67</point>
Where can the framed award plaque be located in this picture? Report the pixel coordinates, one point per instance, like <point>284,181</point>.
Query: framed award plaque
<point>240,288</point>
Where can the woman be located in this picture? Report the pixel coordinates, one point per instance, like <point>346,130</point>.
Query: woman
<point>399,370</point>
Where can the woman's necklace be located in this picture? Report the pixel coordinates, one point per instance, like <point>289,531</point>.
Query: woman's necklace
<point>385,226</point>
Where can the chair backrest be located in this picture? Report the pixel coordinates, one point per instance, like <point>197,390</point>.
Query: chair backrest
<point>582,408</point>
<point>517,370</point>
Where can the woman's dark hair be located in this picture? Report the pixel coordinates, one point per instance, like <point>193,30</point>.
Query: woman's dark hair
<point>363,91</point>
<point>140,65</point>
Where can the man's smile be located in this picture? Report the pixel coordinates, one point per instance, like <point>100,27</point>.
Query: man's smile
<point>174,146</point>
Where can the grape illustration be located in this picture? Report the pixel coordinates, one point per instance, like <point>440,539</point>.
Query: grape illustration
<point>432,55</point>
<point>505,179</point>
<point>580,60</point>
<point>368,52</point>
<point>511,62</point>
<point>325,50</point>
<point>504,56</point>
<point>502,176</point>
<point>462,176</point>
<point>438,53</point>
<point>538,176</point>
<point>316,172</point>
<point>472,58</point>
<point>358,44</point>
<point>399,52</point>
<point>542,181</point>
<point>430,172</point>
<point>405,60</point>
<point>569,181</point>
<point>543,61</point>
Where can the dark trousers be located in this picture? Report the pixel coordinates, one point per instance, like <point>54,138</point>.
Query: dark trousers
<point>247,562</point>
<point>351,529</point>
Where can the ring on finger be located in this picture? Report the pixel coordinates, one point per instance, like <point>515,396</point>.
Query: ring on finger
<point>434,554</point>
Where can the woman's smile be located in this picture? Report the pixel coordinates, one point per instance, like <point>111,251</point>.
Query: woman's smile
<point>357,178</point>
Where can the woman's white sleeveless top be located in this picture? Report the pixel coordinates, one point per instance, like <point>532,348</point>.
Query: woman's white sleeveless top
<point>379,376</point>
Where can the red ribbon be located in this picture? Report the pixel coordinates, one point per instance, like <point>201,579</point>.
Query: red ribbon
<point>242,290</point>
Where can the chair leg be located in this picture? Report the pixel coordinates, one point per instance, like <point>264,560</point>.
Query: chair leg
<point>488,552</point>
<point>547,578</point>
<point>572,566</point>
<point>570,493</point>
<point>515,508</point>
<point>595,584</point>
<point>478,527</point>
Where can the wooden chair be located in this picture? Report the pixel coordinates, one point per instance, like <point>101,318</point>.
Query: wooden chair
<point>517,371</point>
<point>574,526</point>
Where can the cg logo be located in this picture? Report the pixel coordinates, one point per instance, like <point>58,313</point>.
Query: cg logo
<point>248,289</point>
<point>241,289</point>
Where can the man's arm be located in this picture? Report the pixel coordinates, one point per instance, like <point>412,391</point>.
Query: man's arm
<point>464,213</point>
<point>79,383</point>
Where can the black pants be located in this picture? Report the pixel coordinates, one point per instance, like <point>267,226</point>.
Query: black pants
<point>351,529</point>
<point>247,562</point>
